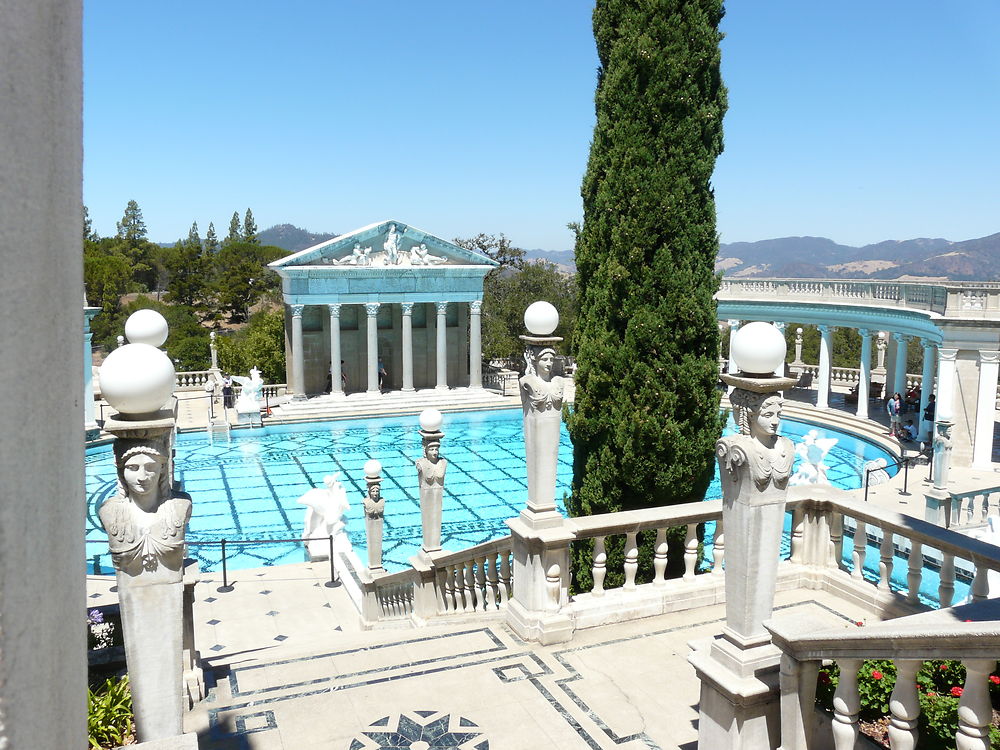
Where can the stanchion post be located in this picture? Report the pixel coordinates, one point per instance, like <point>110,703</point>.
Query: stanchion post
<point>225,579</point>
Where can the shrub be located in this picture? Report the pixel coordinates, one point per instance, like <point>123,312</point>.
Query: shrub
<point>109,713</point>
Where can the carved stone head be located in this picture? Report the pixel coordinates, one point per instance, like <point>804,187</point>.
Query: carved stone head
<point>143,476</point>
<point>538,361</point>
<point>756,414</point>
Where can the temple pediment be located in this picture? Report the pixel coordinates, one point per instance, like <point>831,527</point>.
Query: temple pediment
<point>387,244</point>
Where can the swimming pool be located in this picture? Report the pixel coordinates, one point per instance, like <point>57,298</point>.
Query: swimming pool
<point>247,487</point>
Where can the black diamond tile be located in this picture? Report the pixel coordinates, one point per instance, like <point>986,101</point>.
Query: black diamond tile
<point>281,637</point>
<point>266,591</point>
<point>210,599</point>
<point>272,613</point>
<point>339,628</point>
<point>213,622</point>
<point>327,605</point>
<point>216,647</point>
<point>95,596</point>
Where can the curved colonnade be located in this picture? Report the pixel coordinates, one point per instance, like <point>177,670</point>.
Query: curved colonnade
<point>956,324</point>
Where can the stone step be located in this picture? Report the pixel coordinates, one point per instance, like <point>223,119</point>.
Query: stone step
<point>395,402</point>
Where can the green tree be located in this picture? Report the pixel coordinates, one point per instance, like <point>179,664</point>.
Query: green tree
<point>89,235</point>
<point>132,228</point>
<point>646,416</point>
<point>235,233</point>
<point>211,240</point>
<point>106,277</point>
<point>249,228</point>
<point>260,343</point>
<point>241,278</point>
<point>186,269</point>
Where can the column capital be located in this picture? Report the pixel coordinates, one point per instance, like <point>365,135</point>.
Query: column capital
<point>406,307</point>
<point>947,355</point>
<point>476,306</point>
<point>901,338</point>
<point>927,344</point>
<point>297,310</point>
<point>442,307</point>
<point>865,333</point>
<point>371,309</point>
<point>824,329</point>
<point>988,357</point>
<point>780,325</point>
<point>334,309</point>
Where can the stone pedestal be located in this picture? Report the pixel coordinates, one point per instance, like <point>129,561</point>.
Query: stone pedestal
<point>541,580</point>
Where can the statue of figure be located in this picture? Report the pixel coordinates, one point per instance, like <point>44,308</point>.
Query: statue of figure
<point>812,450</point>
<point>942,454</point>
<point>391,246</point>
<point>145,521</point>
<point>420,256</point>
<point>374,505</point>
<point>249,399</point>
<point>360,256</point>
<point>431,468</point>
<point>758,447</point>
<point>325,509</point>
<point>539,389</point>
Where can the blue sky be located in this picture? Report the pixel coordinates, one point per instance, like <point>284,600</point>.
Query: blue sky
<point>860,120</point>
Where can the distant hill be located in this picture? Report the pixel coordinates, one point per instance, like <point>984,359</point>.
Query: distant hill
<point>291,238</point>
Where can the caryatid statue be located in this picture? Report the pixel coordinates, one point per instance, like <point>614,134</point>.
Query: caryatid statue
<point>374,513</point>
<point>541,404</point>
<point>430,473</point>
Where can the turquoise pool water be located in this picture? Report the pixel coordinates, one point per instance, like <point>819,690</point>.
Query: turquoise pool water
<point>247,487</point>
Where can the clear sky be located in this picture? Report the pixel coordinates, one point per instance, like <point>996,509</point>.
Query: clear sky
<point>858,120</point>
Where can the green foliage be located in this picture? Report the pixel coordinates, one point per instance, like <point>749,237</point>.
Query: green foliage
<point>186,345</point>
<point>235,233</point>
<point>187,272</point>
<point>261,343</point>
<point>241,278</point>
<point>109,713</point>
<point>106,275</point>
<point>250,228</point>
<point>132,228</point>
<point>211,240</point>
<point>646,415</point>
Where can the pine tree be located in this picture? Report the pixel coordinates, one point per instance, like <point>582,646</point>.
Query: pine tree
<point>211,240</point>
<point>249,228</point>
<point>132,229</point>
<point>89,235</point>
<point>235,234</point>
<point>646,415</point>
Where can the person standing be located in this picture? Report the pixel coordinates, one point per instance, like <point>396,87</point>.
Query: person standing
<point>893,408</point>
<point>228,401</point>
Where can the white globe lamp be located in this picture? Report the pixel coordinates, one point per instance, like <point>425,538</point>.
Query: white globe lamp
<point>758,348</point>
<point>137,379</point>
<point>146,327</point>
<point>541,318</point>
<point>372,468</point>
<point>430,420</point>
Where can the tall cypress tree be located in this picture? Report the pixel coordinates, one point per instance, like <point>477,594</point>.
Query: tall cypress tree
<point>211,241</point>
<point>646,415</point>
<point>235,234</point>
<point>249,228</point>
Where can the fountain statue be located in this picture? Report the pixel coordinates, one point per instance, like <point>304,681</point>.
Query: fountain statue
<point>325,509</point>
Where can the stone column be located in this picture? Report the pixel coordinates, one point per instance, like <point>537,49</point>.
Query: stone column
<point>90,427</point>
<point>798,348</point>
<point>739,671</point>
<point>407,310</point>
<point>899,382</point>
<point>780,369</point>
<point>374,515</point>
<point>213,351</point>
<point>336,378</point>
<point>864,383</point>
<point>371,309</point>
<point>982,449</point>
<point>442,346</point>
<point>734,326</point>
<point>938,499</point>
<point>298,355</point>
<point>475,344</point>
<point>926,389</point>
<point>825,367</point>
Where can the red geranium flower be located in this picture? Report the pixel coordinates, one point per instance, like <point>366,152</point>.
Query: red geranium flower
<point>931,693</point>
<point>876,675</point>
<point>994,679</point>
<point>956,691</point>
<point>943,667</point>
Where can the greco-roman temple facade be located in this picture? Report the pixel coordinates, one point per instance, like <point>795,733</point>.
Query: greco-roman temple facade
<point>388,292</point>
<point>956,325</point>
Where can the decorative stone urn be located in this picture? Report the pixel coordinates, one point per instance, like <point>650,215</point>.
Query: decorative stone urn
<point>146,522</point>
<point>739,669</point>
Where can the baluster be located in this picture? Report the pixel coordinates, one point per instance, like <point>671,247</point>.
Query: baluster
<point>980,583</point>
<point>914,571</point>
<point>860,550</point>
<point>600,566</point>
<point>719,551</point>
<point>631,560</point>
<point>846,705</point>
<point>836,539</point>
<point>505,582</point>
<point>481,583</point>
<point>660,558</point>
<point>946,588</point>
<point>440,591</point>
<point>469,585</point>
<point>690,551</point>
<point>885,561</point>
<point>492,595</point>
<point>975,712</point>
<point>552,586</point>
<point>798,534</point>
<point>904,706</point>
<point>454,590</point>
<point>984,507</point>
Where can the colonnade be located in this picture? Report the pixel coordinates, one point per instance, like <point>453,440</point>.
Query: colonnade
<point>372,353</point>
<point>954,402</point>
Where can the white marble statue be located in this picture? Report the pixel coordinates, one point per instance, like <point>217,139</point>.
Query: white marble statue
<point>540,391</point>
<point>325,509</point>
<point>249,399</point>
<point>391,246</point>
<point>942,454</point>
<point>360,256</point>
<point>758,448</point>
<point>875,471</point>
<point>430,474</point>
<point>145,521</point>
<point>813,451</point>
<point>420,256</point>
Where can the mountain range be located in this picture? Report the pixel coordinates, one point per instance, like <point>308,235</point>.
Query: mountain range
<point>792,257</point>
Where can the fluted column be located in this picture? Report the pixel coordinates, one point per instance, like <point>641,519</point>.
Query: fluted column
<point>336,382</point>
<point>825,364</point>
<point>864,384</point>
<point>475,344</point>
<point>982,448</point>
<point>371,309</point>
<point>298,361</point>
<point>442,345</point>
<point>926,389</point>
<point>407,309</point>
<point>899,383</point>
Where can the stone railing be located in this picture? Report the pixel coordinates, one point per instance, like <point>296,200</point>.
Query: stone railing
<point>472,581</point>
<point>972,508</point>
<point>952,299</point>
<point>193,380</point>
<point>504,381</point>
